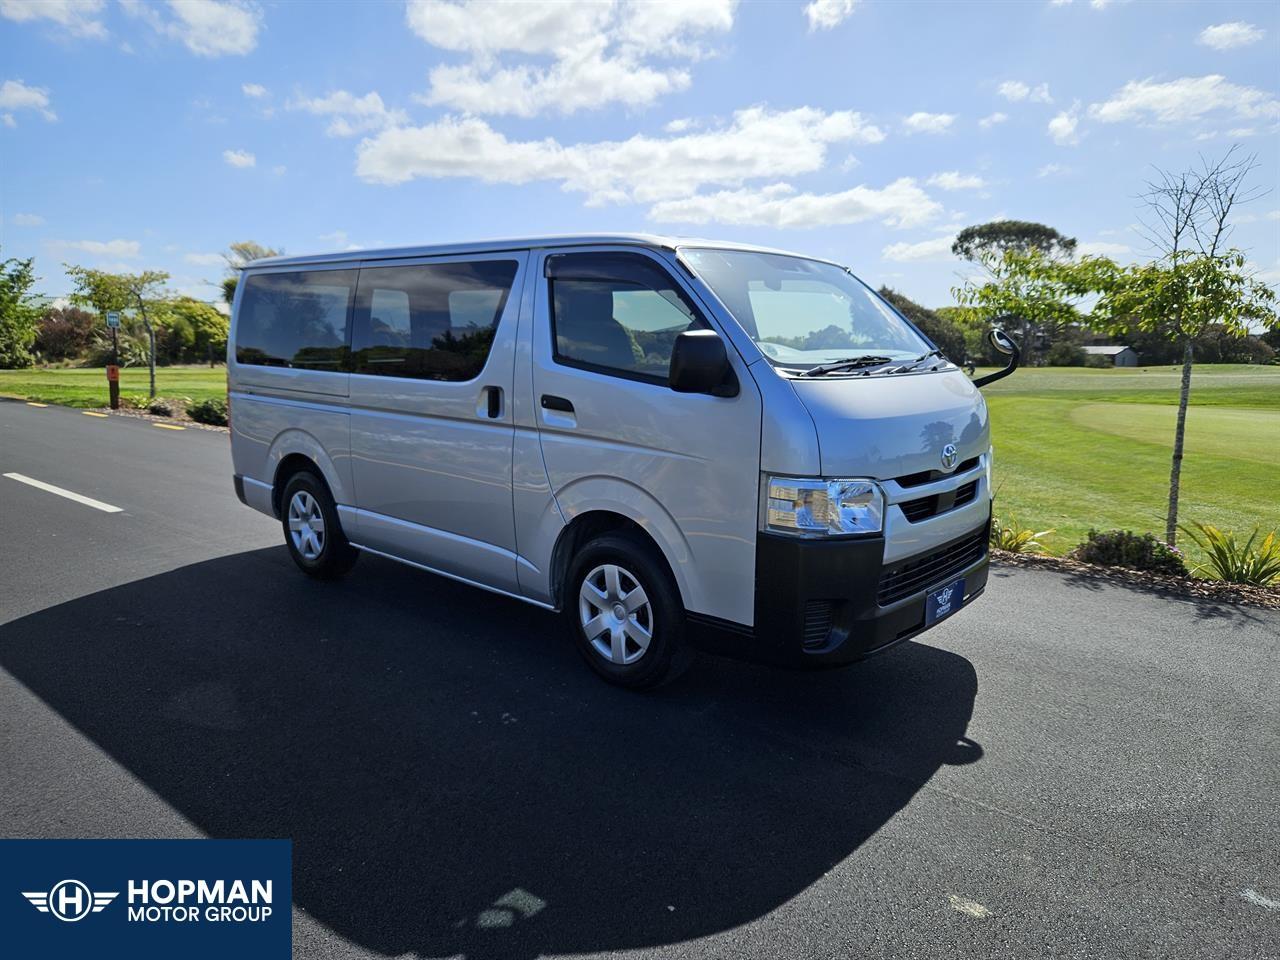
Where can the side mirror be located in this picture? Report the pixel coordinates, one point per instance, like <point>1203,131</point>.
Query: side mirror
<point>699,364</point>
<point>1001,342</point>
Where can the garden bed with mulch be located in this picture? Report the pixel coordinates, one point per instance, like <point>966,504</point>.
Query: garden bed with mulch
<point>1187,588</point>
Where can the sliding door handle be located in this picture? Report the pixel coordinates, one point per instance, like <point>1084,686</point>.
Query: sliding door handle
<point>491,405</point>
<point>559,404</point>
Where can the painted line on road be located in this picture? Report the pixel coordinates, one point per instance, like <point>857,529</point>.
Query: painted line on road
<point>32,403</point>
<point>968,907</point>
<point>1254,897</point>
<point>94,413</point>
<point>78,498</point>
<point>168,426</point>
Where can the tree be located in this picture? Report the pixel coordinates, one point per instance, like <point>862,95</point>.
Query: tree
<point>945,333</point>
<point>1195,283</point>
<point>1038,290</point>
<point>121,291</point>
<point>64,333</point>
<point>18,314</point>
<point>190,330</point>
<point>238,256</point>
<point>999,236</point>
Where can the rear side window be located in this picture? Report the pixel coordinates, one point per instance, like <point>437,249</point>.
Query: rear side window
<point>433,321</point>
<point>618,313</point>
<point>295,319</point>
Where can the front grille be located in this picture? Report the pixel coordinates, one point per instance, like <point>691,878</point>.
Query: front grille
<point>930,476</point>
<point>817,623</point>
<point>917,573</point>
<point>923,508</point>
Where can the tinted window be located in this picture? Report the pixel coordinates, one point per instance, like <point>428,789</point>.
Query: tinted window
<point>295,319</point>
<point>431,321</point>
<point>618,312</point>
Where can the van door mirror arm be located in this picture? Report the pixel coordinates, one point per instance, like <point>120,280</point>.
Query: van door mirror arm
<point>1005,344</point>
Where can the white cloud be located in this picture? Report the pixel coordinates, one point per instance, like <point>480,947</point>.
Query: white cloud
<point>239,158</point>
<point>758,144</point>
<point>900,204</point>
<point>205,259</point>
<point>8,120</point>
<point>1187,98</point>
<point>16,95</point>
<point>921,122</point>
<point>1016,91</point>
<point>1063,127</point>
<point>1102,248</point>
<point>1228,36</point>
<point>1052,170</point>
<point>337,236</point>
<point>208,28</point>
<point>104,248</point>
<point>27,220</point>
<point>351,114</point>
<point>79,18</point>
<point>255,91</point>
<point>600,52</point>
<point>955,180</point>
<point>986,123</point>
<point>825,14</point>
<point>939,248</point>
<point>279,170</point>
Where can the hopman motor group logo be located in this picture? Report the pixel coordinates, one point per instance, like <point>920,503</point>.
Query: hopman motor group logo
<point>70,900</point>
<point>162,901</point>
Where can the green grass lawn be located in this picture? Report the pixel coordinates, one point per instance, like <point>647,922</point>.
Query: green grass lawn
<point>1081,448</point>
<point>81,387</point>
<point>1075,448</point>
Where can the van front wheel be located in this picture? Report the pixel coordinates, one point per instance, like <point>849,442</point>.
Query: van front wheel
<point>624,612</point>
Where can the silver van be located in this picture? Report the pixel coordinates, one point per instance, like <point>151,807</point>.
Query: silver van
<point>647,434</point>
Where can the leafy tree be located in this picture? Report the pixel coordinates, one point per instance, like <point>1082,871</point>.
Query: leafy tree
<point>190,330</point>
<point>986,240</point>
<point>121,291</point>
<point>1041,292</point>
<point>1196,282</point>
<point>64,333</point>
<point>238,256</point>
<point>18,314</point>
<point>946,333</point>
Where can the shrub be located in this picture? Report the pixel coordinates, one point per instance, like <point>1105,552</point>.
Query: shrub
<point>1237,562</point>
<point>212,411</point>
<point>1097,362</point>
<point>1064,353</point>
<point>161,408</point>
<point>1124,548</point>
<point>1007,535</point>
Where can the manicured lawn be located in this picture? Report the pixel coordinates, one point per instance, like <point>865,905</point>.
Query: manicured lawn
<point>88,387</point>
<point>1081,448</point>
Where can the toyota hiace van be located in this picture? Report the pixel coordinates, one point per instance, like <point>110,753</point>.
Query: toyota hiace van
<point>645,434</point>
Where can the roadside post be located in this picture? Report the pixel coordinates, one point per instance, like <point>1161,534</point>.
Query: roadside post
<point>113,368</point>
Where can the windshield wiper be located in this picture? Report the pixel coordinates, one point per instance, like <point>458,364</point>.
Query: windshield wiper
<point>912,364</point>
<point>849,363</point>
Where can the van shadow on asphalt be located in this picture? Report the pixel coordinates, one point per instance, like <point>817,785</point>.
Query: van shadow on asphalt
<point>455,780</point>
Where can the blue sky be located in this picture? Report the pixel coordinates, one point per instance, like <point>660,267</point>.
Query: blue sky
<point>137,135</point>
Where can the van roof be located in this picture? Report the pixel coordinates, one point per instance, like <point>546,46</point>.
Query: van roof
<point>516,243</point>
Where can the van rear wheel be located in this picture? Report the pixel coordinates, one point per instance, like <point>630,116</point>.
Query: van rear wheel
<point>624,612</point>
<point>311,528</point>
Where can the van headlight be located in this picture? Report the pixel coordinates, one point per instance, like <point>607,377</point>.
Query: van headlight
<point>823,508</point>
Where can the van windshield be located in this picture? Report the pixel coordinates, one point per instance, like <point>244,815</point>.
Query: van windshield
<point>802,313</point>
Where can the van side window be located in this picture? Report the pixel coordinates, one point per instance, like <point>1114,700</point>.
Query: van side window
<point>295,319</point>
<point>431,321</point>
<point>617,312</point>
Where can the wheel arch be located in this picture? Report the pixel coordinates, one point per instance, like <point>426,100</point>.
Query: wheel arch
<point>584,528</point>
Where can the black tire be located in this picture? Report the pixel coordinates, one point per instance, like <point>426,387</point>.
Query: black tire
<point>336,555</point>
<point>665,655</point>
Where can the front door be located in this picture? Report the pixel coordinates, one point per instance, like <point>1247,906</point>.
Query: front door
<point>615,437</point>
<point>431,428</point>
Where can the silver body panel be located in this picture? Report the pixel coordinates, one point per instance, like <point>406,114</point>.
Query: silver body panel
<point>422,474</point>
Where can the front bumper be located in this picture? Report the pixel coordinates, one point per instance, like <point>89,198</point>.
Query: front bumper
<point>831,602</point>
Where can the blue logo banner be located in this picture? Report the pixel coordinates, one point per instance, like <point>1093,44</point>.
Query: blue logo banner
<point>146,898</point>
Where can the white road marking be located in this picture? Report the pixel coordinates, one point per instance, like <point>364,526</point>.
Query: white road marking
<point>969,907</point>
<point>50,488</point>
<point>1253,896</point>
